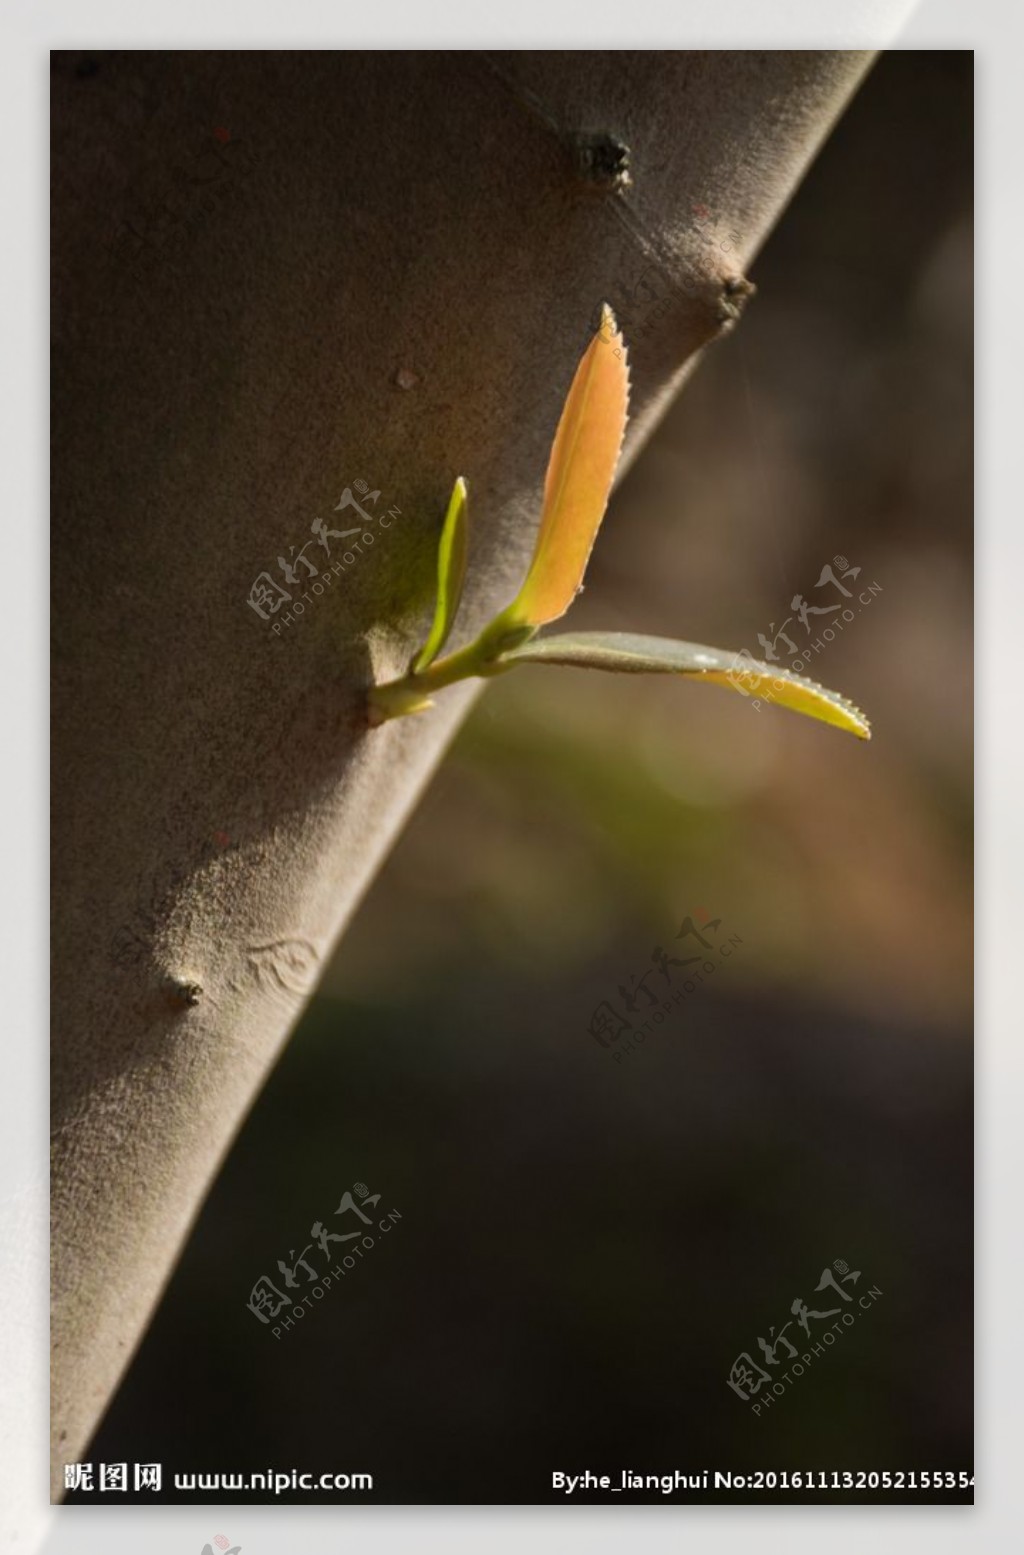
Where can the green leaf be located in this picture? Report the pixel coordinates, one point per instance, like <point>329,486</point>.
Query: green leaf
<point>451,574</point>
<point>634,655</point>
<point>579,478</point>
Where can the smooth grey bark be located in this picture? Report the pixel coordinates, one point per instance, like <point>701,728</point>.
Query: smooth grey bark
<point>276,274</point>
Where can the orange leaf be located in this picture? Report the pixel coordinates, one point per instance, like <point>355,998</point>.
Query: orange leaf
<point>579,478</point>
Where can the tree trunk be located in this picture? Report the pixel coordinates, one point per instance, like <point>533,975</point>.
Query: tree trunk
<point>277,275</point>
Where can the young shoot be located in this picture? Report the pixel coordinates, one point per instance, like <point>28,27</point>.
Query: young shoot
<point>577,486</point>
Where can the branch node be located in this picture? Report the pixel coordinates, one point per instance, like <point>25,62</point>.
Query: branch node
<point>602,160</point>
<point>736,292</point>
<point>182,993</point>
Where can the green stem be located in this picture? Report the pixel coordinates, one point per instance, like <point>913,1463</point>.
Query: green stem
<point>411,693</point>
<point>480,659</point>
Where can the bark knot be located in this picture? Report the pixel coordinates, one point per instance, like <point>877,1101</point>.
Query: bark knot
<point>736,292</point>
<point>601,159</point>
<point>182,993</point>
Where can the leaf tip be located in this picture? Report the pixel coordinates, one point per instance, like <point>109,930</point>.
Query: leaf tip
<point>451,573</point>
<point>608,330</point>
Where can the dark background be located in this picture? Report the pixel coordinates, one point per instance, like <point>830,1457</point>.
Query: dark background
<point>585,1244</point>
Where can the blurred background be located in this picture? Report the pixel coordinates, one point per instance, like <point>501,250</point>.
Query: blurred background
<point>590,1236</point>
